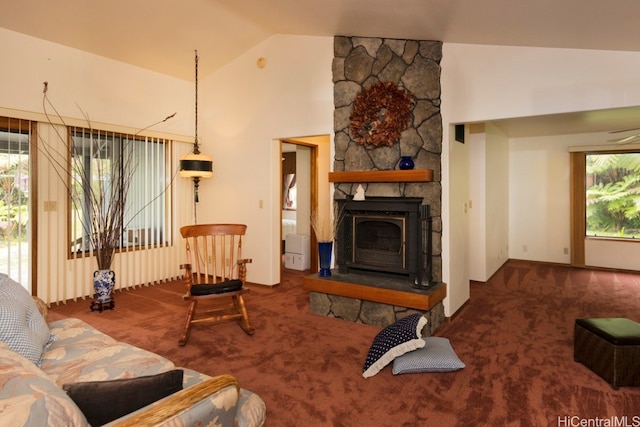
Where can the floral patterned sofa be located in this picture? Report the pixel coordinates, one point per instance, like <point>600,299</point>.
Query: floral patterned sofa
<point>66,373</point>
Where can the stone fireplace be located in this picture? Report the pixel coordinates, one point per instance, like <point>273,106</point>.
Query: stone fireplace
<point>359,290</point>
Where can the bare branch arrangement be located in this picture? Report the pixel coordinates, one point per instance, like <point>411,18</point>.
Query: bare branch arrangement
<point>322,228</point>
<point>325,227</point>
<point>106,199</point>
<point>105,193</point>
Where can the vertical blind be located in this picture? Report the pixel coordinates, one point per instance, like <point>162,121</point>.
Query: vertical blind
<point>146,253</point>
<point>42,241</point>
<point>109,162</point>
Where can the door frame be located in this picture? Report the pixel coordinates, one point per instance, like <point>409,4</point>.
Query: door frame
<point>313,196</point>
<point>319,186</point>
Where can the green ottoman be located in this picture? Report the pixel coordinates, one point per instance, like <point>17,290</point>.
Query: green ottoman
<point>610,347</point>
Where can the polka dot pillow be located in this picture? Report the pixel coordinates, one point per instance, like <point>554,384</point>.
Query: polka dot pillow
<point>395,340</point>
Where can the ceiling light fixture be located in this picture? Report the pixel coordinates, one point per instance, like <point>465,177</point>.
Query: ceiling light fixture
<point>196,165</point>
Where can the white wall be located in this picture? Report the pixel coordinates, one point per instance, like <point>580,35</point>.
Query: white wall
<point>107,91</point>
<point>455,239</point>
<point>539,208</point>
<point>494,82</point>
<point>481,83</point>
<point>610,254</point>
<point>488,200</point>
<point>497,201</point>
<point>246,109</point>
<point>476,143</point>
<point>114,96</point>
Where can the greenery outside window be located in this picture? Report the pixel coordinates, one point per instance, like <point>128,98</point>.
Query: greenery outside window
<point>613,195</point>
<point>97,157</point>
<point>15,192</point>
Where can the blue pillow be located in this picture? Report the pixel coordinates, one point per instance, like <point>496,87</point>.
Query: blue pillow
<point>22,327</point>
<point>395,340</point>
<point>437,355</point>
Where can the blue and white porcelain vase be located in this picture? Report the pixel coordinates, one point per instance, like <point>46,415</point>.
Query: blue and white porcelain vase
<point>103,283</point>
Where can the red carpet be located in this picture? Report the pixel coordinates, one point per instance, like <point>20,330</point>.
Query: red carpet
<point>515,337</point>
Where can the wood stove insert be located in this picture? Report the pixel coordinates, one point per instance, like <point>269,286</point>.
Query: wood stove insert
<point>384,235</point>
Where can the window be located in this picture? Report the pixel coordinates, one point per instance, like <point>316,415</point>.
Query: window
<point>613,195</point>
<point>121,180</point>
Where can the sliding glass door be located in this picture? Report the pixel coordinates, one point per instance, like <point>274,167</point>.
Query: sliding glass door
<point>15,136</point>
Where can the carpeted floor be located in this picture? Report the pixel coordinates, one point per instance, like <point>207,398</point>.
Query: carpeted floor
<point>515,337</point>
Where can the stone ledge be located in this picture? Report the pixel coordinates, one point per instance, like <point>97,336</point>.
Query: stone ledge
<point>371,313</point>
<point>384,291</point>
<point>379,305</point>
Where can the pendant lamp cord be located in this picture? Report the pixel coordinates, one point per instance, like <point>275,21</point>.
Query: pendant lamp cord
<point>196,149</point>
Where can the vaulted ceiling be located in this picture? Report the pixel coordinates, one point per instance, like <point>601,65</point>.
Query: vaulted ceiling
<point>161,35</point>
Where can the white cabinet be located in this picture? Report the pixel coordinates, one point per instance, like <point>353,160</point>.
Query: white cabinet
<point>296,256</point>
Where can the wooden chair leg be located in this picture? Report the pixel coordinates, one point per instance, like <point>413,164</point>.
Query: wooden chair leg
<point>187,324</point>
<point>244,322</point>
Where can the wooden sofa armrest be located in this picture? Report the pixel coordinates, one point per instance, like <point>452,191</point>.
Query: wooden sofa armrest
<point>42,306</point>
<point>178,402</point>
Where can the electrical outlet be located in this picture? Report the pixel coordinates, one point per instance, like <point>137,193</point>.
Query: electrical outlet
<point>50,206</point>
<point>524,248</point>
<point>565,251</point>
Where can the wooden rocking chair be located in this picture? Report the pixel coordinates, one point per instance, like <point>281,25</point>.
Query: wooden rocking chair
<point>215,273</point>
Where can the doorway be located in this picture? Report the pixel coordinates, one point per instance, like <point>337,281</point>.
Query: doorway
<point>304,188</point>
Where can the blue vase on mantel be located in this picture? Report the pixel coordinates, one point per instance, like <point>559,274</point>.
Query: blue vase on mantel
<point>406,163</point>
<point>324,252</point>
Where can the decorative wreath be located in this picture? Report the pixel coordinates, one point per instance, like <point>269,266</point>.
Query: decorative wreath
<point>380,114</point>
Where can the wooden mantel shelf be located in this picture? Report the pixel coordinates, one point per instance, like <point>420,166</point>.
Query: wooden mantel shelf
<point>413,175</point>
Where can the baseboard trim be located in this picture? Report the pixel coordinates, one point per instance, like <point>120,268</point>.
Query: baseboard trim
<point>583,267</point>
<point>458,311</point>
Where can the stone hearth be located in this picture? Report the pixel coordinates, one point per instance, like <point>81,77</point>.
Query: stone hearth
<point>374,299</point>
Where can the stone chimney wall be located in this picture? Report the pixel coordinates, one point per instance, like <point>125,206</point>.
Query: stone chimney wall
<point>414,66</point>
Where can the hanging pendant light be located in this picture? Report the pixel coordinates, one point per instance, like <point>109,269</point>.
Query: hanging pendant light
<point>196,165</point>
